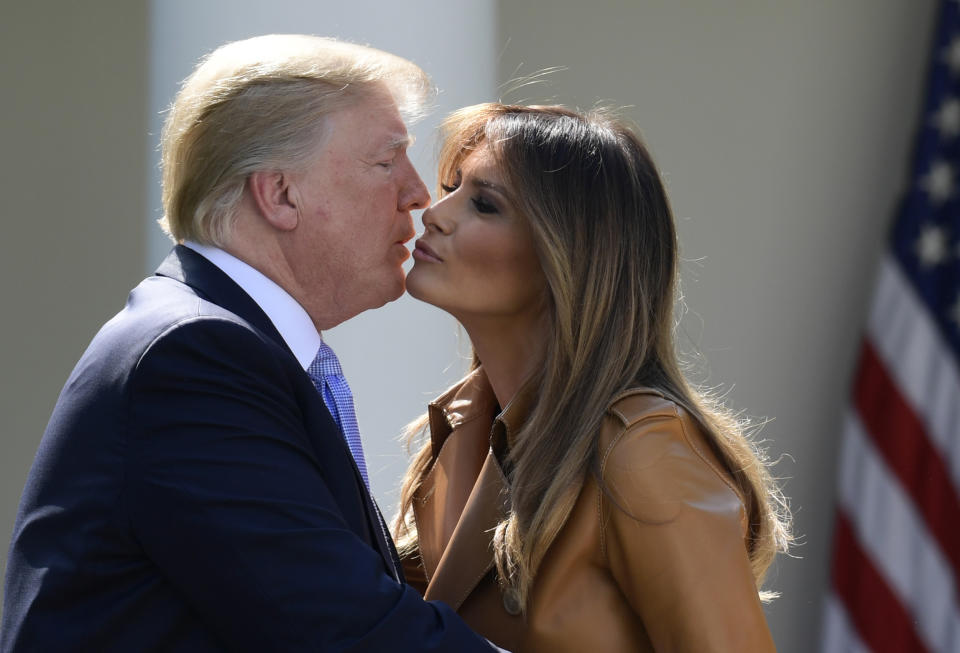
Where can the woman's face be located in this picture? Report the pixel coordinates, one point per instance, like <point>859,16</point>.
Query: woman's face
<point>476,258</point>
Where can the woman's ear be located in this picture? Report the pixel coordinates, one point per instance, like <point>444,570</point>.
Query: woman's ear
<point>275,197</point>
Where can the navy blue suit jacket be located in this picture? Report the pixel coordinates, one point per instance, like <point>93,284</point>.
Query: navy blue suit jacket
<point>192,493</point>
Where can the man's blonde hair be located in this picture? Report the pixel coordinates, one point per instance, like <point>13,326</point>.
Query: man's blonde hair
<point>257,105</point>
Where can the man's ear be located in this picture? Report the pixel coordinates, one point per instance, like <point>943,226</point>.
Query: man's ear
<point>275,198</point>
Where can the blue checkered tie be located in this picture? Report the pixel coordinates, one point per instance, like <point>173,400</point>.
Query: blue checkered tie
<point>327,376</point>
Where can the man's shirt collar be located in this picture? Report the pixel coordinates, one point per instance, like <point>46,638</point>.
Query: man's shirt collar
<point>288,316</point>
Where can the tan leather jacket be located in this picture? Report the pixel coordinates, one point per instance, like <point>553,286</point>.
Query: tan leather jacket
<point>658,565</point>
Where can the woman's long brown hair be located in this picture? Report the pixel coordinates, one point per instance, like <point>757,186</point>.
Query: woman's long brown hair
<point>605,236</point>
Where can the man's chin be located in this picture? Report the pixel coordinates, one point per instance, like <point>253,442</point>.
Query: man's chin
<point>395,290</point>
<point>385,293</point>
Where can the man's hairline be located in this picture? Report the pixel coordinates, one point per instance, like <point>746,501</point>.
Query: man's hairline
<point>398,141</point>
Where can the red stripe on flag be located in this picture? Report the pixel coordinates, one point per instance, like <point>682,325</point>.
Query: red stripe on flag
<point>881,621</point>
<point>899,435</point>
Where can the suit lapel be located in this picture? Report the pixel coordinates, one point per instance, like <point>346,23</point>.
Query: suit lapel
<point>387,548</point>
<point>213,284</point>
<point>469,554</point>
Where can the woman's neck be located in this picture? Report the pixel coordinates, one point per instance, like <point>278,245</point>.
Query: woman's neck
<point>509,350</point>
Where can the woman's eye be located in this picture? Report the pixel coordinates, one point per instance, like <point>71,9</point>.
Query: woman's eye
<point>484,206</point>
<point>453,185</point>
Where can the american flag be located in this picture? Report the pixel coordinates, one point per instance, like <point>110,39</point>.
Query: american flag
<point>896,547</point>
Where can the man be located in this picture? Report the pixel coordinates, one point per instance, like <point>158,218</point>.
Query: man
<point>200,485</point>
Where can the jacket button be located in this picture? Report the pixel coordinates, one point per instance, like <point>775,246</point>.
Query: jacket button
<point>511,601</point>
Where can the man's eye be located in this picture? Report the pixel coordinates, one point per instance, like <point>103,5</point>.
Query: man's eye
<point>484,206</point>
<point>386,164</point>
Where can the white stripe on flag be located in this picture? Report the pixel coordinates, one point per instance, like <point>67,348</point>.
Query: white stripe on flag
<point>896,539</point>
<point>915,355</point>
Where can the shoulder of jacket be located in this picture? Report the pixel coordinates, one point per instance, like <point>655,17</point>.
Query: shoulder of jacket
<point>652,421</point>
<point>210,337</point>
<point>654,456</point>
<point>636,404</point>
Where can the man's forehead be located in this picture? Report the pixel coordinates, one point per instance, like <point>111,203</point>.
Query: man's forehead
<point>373,125</point>
<point>380,117</point>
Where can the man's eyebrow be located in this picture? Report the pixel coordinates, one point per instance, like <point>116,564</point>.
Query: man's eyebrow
<point>400,142</point>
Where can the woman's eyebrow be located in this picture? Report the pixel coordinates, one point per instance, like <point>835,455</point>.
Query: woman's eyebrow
<point>485,183</point>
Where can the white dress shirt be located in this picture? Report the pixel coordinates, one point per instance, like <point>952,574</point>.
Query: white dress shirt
<point>288,316</point>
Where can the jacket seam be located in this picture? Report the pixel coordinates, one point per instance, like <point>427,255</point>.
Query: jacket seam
<point>603,527</point>
<point>630,392</point>
<point>696,449</point>
<point>603,469</point>
<point>628,422</point>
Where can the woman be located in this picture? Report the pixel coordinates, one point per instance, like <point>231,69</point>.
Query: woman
<point>575,493</point>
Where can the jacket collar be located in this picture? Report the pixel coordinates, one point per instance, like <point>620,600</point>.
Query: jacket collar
<point>472,398</point>
<point>467,409</point>
<point>469,399</point>
<point>211,283</point>
<point>468,556</point>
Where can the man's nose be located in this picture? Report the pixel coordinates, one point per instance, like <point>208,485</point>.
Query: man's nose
<point>415,194</point>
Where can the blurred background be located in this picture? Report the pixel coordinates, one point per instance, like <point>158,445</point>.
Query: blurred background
<point>783,130</point>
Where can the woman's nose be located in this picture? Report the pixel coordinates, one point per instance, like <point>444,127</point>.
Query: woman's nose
<point>437,218</point>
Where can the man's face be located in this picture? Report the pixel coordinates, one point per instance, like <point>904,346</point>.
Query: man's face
<point>354,203</point>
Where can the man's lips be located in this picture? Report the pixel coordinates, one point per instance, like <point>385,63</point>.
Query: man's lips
<point>401,244</point>
<point>423,252</point>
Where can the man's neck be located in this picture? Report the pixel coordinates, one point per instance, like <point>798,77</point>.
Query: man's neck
<point>263,249</point>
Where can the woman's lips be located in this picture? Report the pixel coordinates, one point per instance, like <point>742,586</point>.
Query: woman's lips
<point>423,252</point>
